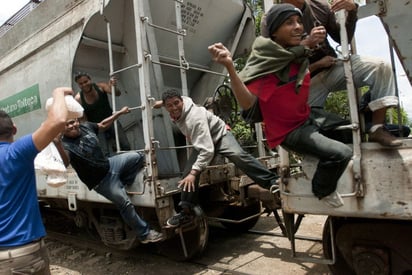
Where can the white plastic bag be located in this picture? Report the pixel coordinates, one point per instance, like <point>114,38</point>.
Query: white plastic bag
<point>50,163</point>
<point>75,110</point>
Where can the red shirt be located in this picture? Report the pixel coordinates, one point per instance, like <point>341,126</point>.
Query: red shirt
<point>283,110</point>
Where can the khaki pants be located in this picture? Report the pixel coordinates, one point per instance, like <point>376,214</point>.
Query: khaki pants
<point>31,258</point>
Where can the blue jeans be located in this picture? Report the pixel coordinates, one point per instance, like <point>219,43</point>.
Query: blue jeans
<point>228,147</point>
<point>123,170</point>
<point>333,155</point>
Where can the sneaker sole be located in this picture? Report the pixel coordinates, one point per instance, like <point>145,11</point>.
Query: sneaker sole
<point>168,225</point>
<point>151,241</point>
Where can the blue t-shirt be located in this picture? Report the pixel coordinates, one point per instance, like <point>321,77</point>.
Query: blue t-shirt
<point>20,218</point>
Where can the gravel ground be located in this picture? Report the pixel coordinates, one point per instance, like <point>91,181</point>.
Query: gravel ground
<point>227,253</point>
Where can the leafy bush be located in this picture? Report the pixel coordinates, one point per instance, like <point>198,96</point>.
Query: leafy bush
<point>338,103</point>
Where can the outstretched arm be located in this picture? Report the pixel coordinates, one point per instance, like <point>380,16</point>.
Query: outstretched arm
<point>107,87</point>
<point>158,104</point>
<point>325,62</point>
<point>105,123</point>
<point>56,119</point>
<point>315,38</point>
<point>332,25</point>
<point>348,5</point>
<point>78,98</point>
<point>63,154</point>
<point>222,55</point>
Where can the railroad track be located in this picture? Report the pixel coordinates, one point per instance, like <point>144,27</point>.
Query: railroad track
<point>88,256</point>
<point>227,253</point>
<point>77,249</point>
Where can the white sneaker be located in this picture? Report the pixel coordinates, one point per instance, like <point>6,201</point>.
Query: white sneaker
<point>333,200</point>
<point>152,237</point>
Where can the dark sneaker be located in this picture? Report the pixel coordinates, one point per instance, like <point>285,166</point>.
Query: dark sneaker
<point>384,137</point>
<point>179,219</point>
<point>152,237</point>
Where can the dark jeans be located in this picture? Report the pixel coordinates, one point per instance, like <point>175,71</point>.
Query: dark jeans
<point>123,170</point>
<point>333,155</point>
<point>230,148</point>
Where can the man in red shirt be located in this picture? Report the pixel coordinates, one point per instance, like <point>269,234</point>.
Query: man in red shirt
<point>276,78</point>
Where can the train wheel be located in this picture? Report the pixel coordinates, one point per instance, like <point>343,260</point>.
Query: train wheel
<point>237,213</point>
<point>340,266</point>
<point>369,246</point>
<point>187,241</point>
<point>118,236</point>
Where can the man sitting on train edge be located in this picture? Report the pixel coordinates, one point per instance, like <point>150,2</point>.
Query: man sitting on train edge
<point>327,71</point>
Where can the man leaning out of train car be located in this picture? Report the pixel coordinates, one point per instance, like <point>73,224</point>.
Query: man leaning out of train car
<point>209,135</point>
<point>22,249</point>
<point>79,146</point>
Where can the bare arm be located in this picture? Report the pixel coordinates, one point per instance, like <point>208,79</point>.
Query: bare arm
<point>222,55</point>
<point>65,157</point>
<point>55,121</point>
<point>332,25</point>
<point>105,123</point>
<point>348,5</point>
<point>317,36</point>
<point>158,104</point>
<point>79,99</point>
<point>324,62</point>
<point>107,87</point>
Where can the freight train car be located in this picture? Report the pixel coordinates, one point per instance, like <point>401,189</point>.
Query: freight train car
<point>148,46</point>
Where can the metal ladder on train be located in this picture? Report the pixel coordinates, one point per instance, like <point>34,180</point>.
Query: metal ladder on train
<point>358,189</point>
<point>147,55</point>
<point>356,126</point>
<point>146,47</point>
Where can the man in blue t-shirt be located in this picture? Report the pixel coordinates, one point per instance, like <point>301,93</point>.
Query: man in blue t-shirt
<point>108,176</point>
<point>22,250</point>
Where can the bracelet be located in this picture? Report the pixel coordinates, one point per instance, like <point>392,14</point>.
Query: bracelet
<point>193,173</point>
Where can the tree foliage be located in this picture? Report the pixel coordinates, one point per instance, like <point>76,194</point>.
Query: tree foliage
<point>257,7</point>
<point>338,103</point>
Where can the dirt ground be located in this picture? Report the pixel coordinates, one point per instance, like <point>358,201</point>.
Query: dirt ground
<point>227,253</point>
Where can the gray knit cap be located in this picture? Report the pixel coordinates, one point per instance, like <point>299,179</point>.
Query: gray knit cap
<point>278,14</point>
